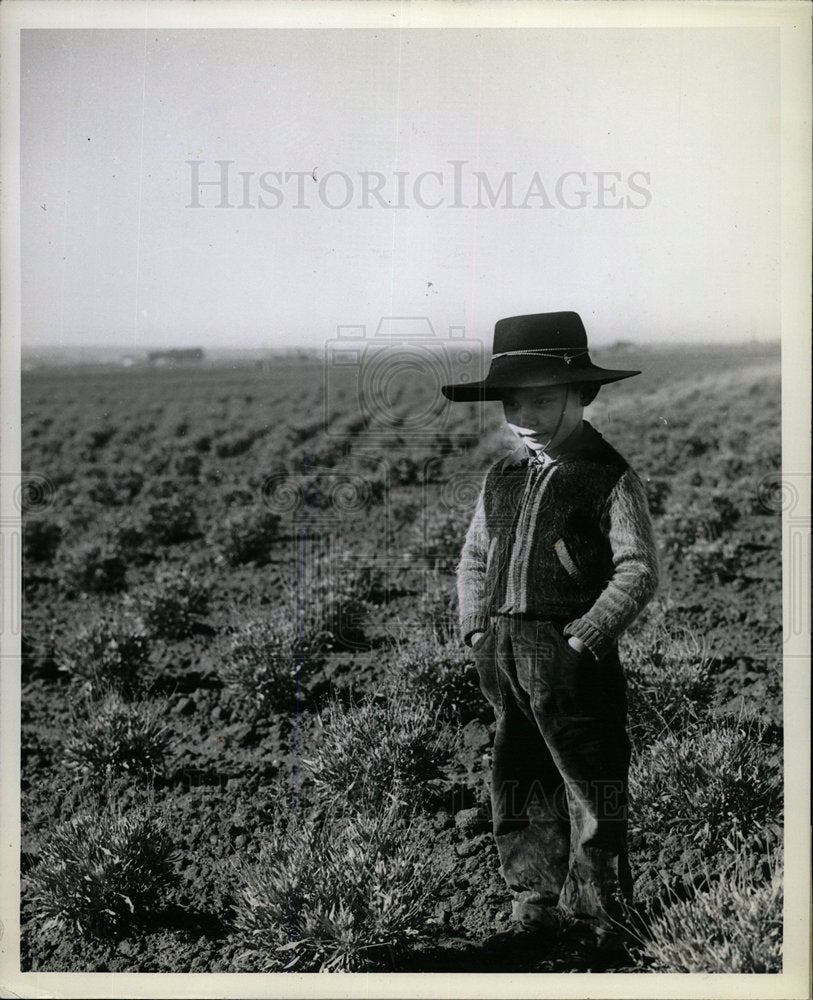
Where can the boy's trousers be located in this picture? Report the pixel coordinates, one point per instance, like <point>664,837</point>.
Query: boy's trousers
<point>560,764</point>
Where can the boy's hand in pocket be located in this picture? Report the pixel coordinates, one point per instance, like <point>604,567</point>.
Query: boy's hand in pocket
<point>578,646</point>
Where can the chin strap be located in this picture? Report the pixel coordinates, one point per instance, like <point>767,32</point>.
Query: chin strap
<point>561,418</point>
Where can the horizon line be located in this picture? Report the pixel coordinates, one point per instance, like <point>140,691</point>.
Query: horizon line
<point>777,341</point>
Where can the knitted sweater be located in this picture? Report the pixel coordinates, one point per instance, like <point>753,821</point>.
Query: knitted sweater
<point>569,539</point>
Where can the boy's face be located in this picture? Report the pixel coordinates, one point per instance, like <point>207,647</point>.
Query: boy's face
<point>533,413</point>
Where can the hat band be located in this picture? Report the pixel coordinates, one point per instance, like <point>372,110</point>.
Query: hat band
<point>565,354</point>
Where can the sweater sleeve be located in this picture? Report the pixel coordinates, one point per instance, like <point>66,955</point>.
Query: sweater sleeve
<point>471,574</point>
<point>635,568</point>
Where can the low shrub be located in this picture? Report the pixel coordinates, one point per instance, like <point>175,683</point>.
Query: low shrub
<point>718,560</point>
<point>231,445</point>
<point>268,661</point>
<point>202,443</point>
<point>245,536</point>
<point>166,520</point>
<point>125,530</point>
<point>346,896</point>
<point>94,438</point>
<point>108,652</point>
<point>437,608</point>
<point>704,517</point>
<point>187,464</point>
<point>111,486</point>
<point>333,595</point>
<point>102,872</point>
<point>381,748</point>
<point>669,678</point>
<point>693,791</point>
<point>657,493</point>
<point>437,537</point>
<point>97,565</point>
<point>41,538</point>
<point>172,607</point>
<point>440,672</point>
<point>732,926</point>
<point>117,737</point>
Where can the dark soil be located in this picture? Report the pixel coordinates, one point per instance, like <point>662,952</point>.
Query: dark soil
<point>225,772</point>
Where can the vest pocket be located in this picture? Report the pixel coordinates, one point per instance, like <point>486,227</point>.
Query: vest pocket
<point>568,563</point>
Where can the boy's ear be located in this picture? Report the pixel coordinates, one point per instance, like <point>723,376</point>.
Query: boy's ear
<point>587,392</point>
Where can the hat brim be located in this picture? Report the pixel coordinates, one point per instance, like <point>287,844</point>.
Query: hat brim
<point>493,388</point>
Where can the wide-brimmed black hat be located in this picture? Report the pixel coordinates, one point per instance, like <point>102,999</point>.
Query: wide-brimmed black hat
<point>540,349</point>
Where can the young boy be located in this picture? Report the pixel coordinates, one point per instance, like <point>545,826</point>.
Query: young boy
<point>558,560</point>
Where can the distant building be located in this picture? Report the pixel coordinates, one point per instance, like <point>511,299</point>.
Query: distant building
<point>179,356</point>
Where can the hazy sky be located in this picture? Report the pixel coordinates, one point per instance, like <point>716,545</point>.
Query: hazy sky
<point>629,174</point>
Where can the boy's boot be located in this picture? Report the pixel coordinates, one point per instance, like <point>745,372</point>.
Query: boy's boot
<point>528,938</point>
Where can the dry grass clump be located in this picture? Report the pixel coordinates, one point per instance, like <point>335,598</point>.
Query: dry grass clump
<point>267,662</point>
<point>245,536</point>
<point>96,565</point>
<point>441,672</point>
<point>347,895</point>
<point>381,748</point>
<point>101,872</point>
<point>694,792</point>
<point>669,678</point>
<point>732,926</point>
<point>173,606</point>
<point>118,737</point>
<point>110,651</point>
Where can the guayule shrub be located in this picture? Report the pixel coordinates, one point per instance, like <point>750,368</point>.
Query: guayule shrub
<point>441,673</point>
<point>102,871</point>
<point>693,518</point>
<point>733,925</point>
<point>437,536</point>
<point>173,606</point>
<point>41,538</point>
<point>381,748</point>
<point>118,737</point>
<point>245,536</point>
<point>715,559</point>
<point>695,790</point>
<point>669,678</point>
<point>266,661</point>
<point>166,520</point>
<point>96,565</point>
<point>187,464</point>
<point>345,896</point>
<point>110,651</point>
<point>333,595</point>
<point>230,445</point>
